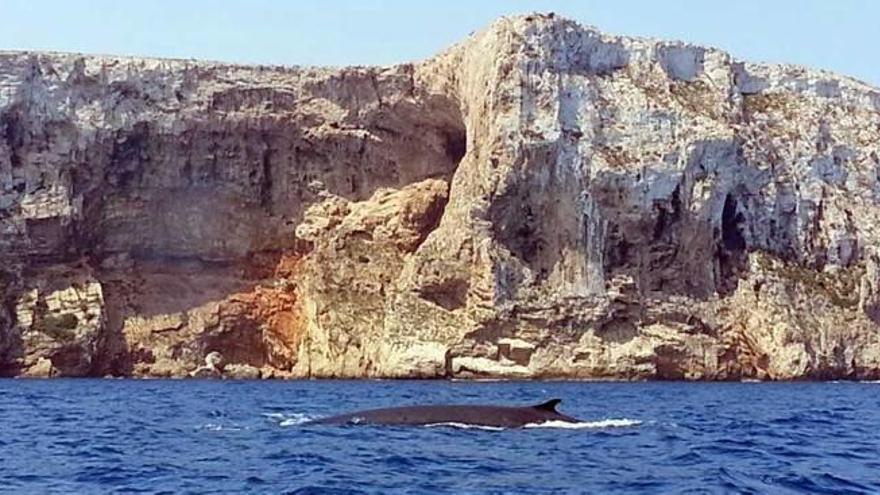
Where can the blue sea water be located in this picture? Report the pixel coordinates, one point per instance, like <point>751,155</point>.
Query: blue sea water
<point>124,436</point>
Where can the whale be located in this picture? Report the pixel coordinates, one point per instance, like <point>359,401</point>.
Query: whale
<point>461,414</point>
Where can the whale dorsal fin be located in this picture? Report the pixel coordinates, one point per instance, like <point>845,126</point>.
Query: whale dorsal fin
<point>549,406</point>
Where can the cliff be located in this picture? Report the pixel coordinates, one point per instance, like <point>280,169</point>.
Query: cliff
<point>540,200</point>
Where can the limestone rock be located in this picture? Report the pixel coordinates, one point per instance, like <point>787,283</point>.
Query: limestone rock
<point>213,367</point>
<point>58,319</point>
<point>42,368</point>
<point>539,200</point>
<point>241,372</point>
<point>347,285</point>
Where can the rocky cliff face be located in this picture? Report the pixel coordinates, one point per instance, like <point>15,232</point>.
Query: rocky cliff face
<point>541,200</point>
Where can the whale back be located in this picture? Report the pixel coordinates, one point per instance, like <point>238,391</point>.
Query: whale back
<point>549,406</point>
<point>480,415</point>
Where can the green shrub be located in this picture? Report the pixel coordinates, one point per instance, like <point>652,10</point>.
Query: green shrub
<point>59,327</point>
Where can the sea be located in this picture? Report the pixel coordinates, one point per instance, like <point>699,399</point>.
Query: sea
<point>176,437</point>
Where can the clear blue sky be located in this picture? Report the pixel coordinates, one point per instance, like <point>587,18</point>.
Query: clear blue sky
<point>840,35</point>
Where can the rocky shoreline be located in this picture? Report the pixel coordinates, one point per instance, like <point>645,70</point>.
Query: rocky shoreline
<point>541,200</point>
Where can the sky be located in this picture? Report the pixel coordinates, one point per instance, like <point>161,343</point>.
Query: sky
<point>838,35</point>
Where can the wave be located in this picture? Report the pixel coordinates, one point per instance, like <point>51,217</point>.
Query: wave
<point>465,426</point>
<point>291,419</point>
<point>218,427</point>
<point>580,425</point>
<point>605,423</point>
<point>296,419</point>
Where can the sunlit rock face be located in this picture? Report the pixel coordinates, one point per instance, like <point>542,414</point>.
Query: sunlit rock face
<point>540,200</point>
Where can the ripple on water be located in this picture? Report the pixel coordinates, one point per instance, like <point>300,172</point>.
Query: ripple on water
<point>175,437</point>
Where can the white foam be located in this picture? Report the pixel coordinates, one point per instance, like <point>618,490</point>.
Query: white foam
<point>466,426</point>
<point>292,419</point>
<point>289,419</point>
<point>605,423</point>
<point>216,427</point>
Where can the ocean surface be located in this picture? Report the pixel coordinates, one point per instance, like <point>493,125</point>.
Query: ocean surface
<point>125,436</point>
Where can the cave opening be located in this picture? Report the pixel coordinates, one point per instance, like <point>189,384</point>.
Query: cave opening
<point>13,132</point>
<point>456,144</point>
<point>731,222</point>
<point>732,247</point>
<point>667,217</point>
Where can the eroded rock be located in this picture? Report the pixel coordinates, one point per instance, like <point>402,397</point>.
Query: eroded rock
<point>539,200</point>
